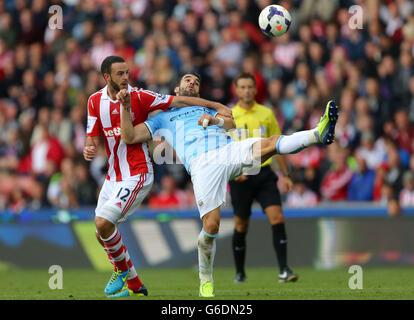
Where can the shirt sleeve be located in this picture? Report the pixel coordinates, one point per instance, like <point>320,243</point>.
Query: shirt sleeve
<point>212,112</point>
<point>152,101</point>
<point>92,126</point>
<point>153,124</point>
<point>274,128</point>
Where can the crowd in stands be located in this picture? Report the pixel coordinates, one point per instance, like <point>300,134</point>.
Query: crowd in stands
<point>47,75</point>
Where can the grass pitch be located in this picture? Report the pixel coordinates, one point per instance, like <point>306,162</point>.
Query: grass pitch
<point>182,284</point>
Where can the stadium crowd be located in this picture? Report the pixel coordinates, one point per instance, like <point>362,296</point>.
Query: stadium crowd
<point>47,75</point>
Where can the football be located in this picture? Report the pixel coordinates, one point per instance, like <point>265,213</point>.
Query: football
<point>274,20</point>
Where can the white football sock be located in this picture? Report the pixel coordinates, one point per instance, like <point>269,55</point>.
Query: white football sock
<point>297,141</point>
<point>206,253</point>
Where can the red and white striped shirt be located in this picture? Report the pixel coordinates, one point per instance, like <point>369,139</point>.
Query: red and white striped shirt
<point>104,119</point>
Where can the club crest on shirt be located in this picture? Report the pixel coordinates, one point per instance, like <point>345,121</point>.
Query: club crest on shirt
<point>200,203</point>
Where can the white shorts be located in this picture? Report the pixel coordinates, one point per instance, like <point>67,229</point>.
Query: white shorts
<point>119,199</point>
<point>211,171</point>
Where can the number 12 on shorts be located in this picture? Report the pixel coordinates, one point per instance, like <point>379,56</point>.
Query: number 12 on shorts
<point>123,194</point>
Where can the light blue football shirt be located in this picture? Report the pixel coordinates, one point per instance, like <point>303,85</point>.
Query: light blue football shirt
<point>180,129</point>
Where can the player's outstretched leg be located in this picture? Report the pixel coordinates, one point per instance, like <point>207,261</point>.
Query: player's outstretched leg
<point>324,133</point>
<point>326,126</point>
<point>207,251</point>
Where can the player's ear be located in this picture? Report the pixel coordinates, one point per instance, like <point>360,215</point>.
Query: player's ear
<point>176,91</point>
<point>107,77</point>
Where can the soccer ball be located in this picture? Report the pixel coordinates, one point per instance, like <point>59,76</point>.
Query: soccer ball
<point>274,20</point>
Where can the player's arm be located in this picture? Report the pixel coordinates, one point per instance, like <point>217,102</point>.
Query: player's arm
<point>138,134</point>
<point>92,133</point>
<point>186,101</point>
<point>281,160</point>
<point>131,134</point>
<point>283,165</point>
<point>219,120</point>
<point>91,147</point>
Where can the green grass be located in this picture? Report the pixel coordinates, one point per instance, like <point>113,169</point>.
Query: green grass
<point>182,284</point>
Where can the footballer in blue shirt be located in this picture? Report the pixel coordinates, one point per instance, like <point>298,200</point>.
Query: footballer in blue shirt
<point>212,158</point>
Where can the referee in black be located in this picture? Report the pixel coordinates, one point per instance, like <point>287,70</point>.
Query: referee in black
<point>255,120</point>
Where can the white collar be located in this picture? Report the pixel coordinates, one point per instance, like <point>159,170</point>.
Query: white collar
<point>105,93</point>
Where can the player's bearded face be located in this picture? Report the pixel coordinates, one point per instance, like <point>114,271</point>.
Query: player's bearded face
<point>188,92</point>
<point>189,86</point>
<point>114,85</point>
<point>118,79</point>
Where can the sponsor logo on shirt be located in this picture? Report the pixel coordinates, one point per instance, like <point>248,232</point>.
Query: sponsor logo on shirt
<point>112,132</point>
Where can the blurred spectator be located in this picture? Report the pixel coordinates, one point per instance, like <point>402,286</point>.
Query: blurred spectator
<point>101,48</point>
<point>169,196</point>
<point>98,166</point>
<point>322,9</point>
<point>361,187</point>
<point>77,127</point>
<point>245,31</point>
<point>404,129</point>
<point>10,151</point>
<point>45,155</point>
<point>275,89</point>
<point>230,53</point>
<point>17,201</point>
<point>217,86</point>
<point>334,186</point>
<point>85,188</point>
<point>211,25</point>
<point>285,52</point>
<point>394,169</point>
<point>379,181</point>
<point>287,106</point>
<point>372,151</point>
<point>250,65</point>
<point>301,196</point>
<point>410,101</point>
<point>345,132</point>
<point>61,192</point>
<point>61,127</point>
<point>390,200</point>
<point>407,193</point>
<point>378,104</point>
<point>387,193</point>
<point>270,70</point>
<point>393,207</point>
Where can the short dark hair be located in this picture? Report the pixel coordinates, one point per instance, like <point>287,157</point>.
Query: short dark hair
<point>108,62</point>
<point>195,74</point>
<point>245,75</point>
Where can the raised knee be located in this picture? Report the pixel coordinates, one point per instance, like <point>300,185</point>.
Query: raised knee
<point>273,141</point>
<point>104,227</point>
<point>211,227</point>
<point>269,144</point>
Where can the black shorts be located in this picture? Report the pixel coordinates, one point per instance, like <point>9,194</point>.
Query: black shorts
<point>261,187</point>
